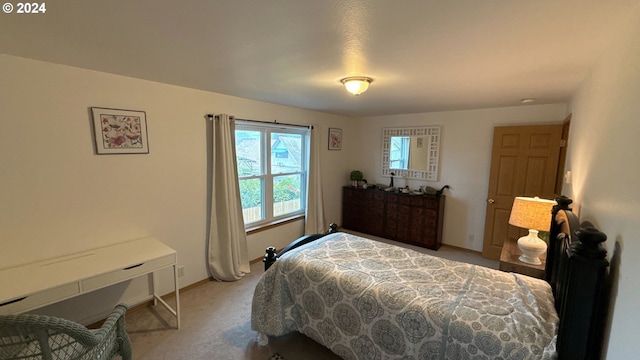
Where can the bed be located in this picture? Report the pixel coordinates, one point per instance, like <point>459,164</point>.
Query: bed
<point>364,299</point>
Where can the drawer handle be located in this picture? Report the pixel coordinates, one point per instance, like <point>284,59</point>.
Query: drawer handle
<point>13,301</point>
<point>133,266</point>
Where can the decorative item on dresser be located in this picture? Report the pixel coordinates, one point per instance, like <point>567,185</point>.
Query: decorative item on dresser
<point>356,176</point>
<point>412,219</point>
<point>411,152</point>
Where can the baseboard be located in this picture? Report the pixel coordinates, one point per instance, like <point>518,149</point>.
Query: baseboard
<point>462,249</point>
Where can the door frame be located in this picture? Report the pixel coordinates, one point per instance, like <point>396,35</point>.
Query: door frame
<point>497,206</point>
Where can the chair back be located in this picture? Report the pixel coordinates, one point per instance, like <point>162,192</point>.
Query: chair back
<point>31,336</point>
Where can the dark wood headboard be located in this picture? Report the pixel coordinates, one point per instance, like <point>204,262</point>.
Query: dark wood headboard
<point>576,270</point>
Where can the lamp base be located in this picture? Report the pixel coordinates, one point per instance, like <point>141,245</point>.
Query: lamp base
<point>531,247</point>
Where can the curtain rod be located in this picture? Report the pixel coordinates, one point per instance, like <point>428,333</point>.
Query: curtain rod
<point>275,122</point>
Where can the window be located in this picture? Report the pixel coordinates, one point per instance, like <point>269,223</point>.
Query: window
<point>272,171</point>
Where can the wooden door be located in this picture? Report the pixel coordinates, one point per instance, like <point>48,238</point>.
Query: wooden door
<point>524,162</point>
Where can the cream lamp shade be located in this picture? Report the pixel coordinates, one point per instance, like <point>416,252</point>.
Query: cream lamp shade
<point>356,84</point>
<point>533,214</point>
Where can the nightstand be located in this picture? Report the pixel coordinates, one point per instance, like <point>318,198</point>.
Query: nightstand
<point>509,261</point>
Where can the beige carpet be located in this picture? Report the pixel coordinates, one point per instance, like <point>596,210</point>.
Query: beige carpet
<point>215,326</point>
<point>216,323</point>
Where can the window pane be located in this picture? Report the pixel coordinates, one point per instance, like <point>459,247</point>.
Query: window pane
<point>286,194</point>
<point>248,152</point>
<point>399,152</point>
<point>286,153</point>
<point>251,191</point>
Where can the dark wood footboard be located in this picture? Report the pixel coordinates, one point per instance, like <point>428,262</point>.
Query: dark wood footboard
<point>271,256</point>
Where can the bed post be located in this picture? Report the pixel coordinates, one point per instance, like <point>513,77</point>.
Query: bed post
<point>269,257</point>
<point>579,296</point>
<point>567,221</point>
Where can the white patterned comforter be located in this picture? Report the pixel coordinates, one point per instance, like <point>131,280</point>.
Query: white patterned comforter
<point>365,299</point>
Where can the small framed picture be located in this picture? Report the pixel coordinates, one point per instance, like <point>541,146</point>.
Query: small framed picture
<point>120,131</point>
<point>335,139</point>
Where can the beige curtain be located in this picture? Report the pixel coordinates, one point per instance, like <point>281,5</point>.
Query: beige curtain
<point>315,222</point>
<point>228,255</point>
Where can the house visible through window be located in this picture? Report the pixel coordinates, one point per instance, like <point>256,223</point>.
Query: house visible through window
<point>272,171</point>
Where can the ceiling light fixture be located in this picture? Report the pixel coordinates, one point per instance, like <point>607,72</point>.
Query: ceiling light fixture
<point>356,84</point>
<point>527,100</point>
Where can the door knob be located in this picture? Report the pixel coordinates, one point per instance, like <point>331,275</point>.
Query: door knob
<point>491,201</point>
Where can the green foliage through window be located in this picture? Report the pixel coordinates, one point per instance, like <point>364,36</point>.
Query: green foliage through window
<point>286,188</point>
<point>251,193</point>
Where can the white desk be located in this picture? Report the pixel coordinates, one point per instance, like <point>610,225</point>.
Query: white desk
<point>30,286</point>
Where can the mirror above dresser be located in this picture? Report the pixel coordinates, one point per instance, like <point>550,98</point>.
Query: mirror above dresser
<point>411,152</point>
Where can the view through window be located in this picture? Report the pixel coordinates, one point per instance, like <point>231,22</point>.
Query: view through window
<point>272,170</point>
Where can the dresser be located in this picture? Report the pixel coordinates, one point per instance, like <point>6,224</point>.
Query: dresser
<point>30,286</point>
<point>411,219</point>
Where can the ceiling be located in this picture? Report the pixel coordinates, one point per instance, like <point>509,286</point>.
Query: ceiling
<point>427,55</point>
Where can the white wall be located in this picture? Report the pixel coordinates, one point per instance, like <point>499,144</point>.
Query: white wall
<point>465,159</point>
<point>59,197</point>
<point>603,158</point>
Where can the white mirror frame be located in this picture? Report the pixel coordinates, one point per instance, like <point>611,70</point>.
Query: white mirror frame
<point>433,132</point>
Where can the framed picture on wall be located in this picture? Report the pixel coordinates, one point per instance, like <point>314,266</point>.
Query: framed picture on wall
<point>120,131</point>
<point>335,139</point>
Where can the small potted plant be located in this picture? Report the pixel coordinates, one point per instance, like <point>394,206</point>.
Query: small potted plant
<point>355,176</point>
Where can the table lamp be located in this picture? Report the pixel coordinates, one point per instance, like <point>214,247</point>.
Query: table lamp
<point>533,214</point>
